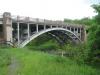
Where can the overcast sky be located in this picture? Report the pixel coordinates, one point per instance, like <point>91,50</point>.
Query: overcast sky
<point>49,9</point>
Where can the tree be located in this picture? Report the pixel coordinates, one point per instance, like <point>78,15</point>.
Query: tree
<point>97,10</point>
<point>94,36</point>
<point>84,21</point>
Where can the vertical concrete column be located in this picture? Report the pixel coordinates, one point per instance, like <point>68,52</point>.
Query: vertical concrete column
<point>66,27</point>
<point>50,26</point>
<point>74,30</point>
<point>28,29</point>
<point>70,28</point>
<point>44,27</point>
<point>37,28</point>
<point>80,33</point>
<point>77,31</point>
<point>83,34</point>
<point>18,33</point>
<point>7,26</point>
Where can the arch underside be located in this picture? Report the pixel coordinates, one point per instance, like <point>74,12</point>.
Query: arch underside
<point>62,39</point>
<point>69,33</point>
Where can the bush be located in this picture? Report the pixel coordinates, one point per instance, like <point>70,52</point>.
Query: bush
<point>78,52</point>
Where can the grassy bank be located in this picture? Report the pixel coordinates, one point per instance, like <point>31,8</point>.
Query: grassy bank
<point>27,62</point>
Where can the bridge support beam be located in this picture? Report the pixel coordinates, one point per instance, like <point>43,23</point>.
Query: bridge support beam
<point>18,33</point>
<point>50,26</point>
<point>37,28</point>
<point>44,27</point>
<point>77,31</point>
<point>28,30</point>
<point>74,30</point>
<point>83,34</point>
<point>80,33</point>
<point>70,28</point>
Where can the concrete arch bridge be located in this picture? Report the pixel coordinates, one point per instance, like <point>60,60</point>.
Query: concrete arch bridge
<point>21,30</point>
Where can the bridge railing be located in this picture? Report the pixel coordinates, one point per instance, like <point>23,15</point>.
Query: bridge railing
<point>37,20</point>
<point>33,19</point>
<point>23,18</point>
<point>14,17</point>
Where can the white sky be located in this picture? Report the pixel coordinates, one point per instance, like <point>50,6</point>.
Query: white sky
<point>49,9</point>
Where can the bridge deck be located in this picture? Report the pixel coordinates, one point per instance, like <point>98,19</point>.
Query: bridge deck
<point>30,20</point>
<point>42,21</point>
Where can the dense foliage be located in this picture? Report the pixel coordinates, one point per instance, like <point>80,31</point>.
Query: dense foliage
<point>94,37</point>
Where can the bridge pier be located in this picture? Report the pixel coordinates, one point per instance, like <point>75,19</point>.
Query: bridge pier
<point>7,27</point>
<point>83,34</point>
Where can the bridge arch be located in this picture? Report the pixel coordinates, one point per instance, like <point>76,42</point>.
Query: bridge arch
<point>24,43</point>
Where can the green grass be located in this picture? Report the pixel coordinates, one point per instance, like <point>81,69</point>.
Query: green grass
<point>28,62</point>
<point>4,61</point>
